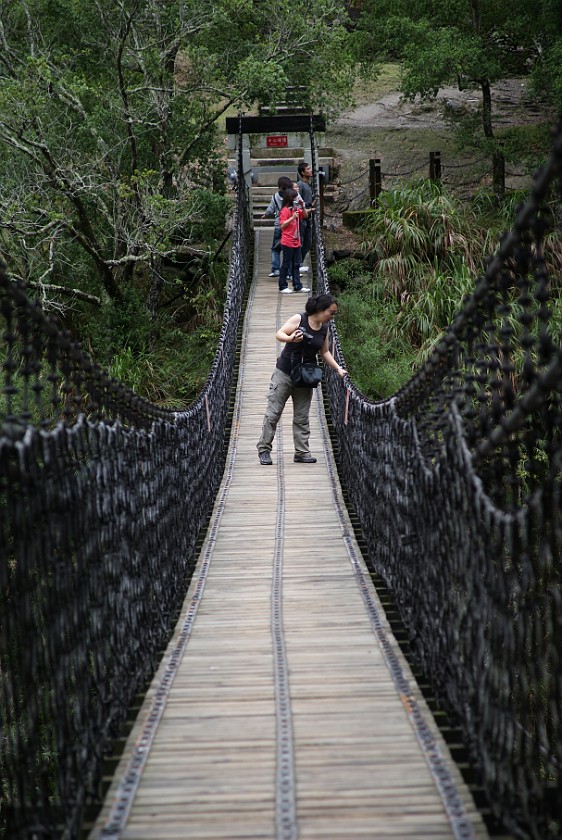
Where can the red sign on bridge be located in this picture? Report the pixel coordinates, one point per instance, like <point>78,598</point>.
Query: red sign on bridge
<point>276,141</point>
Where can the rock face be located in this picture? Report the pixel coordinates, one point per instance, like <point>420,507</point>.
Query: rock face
<point>510,106</point>
<point>404,136</point>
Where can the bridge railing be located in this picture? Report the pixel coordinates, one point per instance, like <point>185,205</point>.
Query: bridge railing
<point>102,498</point>
<point>457,484</point>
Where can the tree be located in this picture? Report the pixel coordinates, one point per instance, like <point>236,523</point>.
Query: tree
<point>108,116</point>
<point>463,42</point>
<point>546,73</point>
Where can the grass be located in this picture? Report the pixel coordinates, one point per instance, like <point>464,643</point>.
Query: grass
<point>375,355</point>
<point>368,90</point>
<point>171,374</point>
<point>422,250</point>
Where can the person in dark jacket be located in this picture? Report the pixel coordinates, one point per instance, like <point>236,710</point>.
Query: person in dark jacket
<point>305,189</point>
<point>272,211</point>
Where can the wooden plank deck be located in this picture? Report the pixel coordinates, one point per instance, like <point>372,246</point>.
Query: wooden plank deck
<point>283,707</point>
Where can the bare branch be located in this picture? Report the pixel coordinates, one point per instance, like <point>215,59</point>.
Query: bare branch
<point>126,29</point>
<point>21,145</point>
<point>172,252</point>
<point>64,290</point>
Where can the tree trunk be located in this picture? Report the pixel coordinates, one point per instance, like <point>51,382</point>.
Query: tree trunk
<point>498,174</point>
<point>155,291</point>
<point>498,160</point>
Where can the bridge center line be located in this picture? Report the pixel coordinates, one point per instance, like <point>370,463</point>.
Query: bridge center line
<point>285,806</point>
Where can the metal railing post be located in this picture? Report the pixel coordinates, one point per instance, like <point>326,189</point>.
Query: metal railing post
<point>435,166</point>
<point>375,179</point>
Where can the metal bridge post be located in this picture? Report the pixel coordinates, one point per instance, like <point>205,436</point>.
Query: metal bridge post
<point>307,149</point>
<point>246,168</point>
<point>321,182</point>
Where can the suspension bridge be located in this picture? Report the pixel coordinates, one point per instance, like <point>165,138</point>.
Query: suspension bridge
<point>151,564</point>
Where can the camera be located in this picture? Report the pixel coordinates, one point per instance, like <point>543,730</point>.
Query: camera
<point>305,334</point>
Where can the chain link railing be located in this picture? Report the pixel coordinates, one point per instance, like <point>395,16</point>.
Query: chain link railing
<point>102,499</point>
<point>456,481</point>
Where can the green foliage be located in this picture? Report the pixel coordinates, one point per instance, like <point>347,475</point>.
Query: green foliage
<point>423,252</point>
<point>416,231</point>
<point>118,326</point>
<point>108,117</point>
<point>174,371</point>
<point>434,305</point>
<point>112,167</point>
<point>526,145</point>
<point>378,358</point>
<point>464,40</point>
<point>445,56</point>
<point>546,77</point>
<point>348,274</point>
<point>467,44</point>
<point>166,360</point>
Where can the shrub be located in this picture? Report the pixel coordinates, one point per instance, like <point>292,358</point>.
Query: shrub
<point>425,251</point>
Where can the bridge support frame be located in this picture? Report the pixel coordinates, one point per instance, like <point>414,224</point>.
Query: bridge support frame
<point>243,126</point>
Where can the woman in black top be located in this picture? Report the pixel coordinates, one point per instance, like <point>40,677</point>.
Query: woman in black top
<point>304,335</point>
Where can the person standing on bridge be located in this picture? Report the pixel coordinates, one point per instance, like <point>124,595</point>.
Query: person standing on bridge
<point>272,211</point>
<point>292,213</point>
<point>305,175</point>
<point>304,335</point>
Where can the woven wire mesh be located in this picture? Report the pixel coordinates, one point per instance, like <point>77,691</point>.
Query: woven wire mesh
<point>456,482</point>
<point>102,498</point>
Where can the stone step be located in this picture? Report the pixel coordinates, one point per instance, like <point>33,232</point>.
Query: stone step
<point>291,153</point>
<point>268,163</point>
<point>270,179</point>
<point>261,196</point>
<point>262,191</point>
<point>279,110</point>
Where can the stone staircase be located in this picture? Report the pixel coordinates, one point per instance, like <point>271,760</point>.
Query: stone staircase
<point>268,165</point>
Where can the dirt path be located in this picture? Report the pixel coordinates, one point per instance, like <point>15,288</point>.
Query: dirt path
<point>510,106</point>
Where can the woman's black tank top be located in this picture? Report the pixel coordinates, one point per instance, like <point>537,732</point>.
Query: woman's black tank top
<point>305,349</point>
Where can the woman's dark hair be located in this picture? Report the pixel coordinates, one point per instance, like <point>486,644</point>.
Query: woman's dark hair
<point>289,197</point>
<point>319,303</point>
